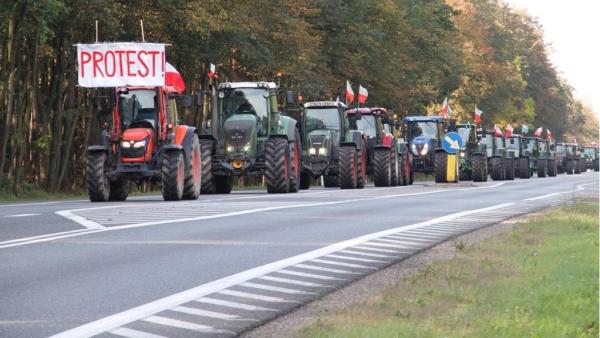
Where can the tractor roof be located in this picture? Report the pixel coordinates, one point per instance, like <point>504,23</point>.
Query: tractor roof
<point>425,119</point>
<point>366,111</point>
<point>324,104</point>
<point>263,84</point>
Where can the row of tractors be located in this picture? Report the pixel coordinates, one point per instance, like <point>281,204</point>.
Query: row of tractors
<point>254,128</point>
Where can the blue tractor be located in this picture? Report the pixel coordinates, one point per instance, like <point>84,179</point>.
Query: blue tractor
<point>424,135</point>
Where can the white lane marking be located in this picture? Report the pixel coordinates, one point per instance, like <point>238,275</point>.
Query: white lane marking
<point>234,305</point>
<point>292,281</point>
<point>21,215</point>
<point>367,254</point>
<point>185,325</point>
<point>416,245</point>
<point>373,243</point>
<point>275,288</point>
<point>39,203</point>
<point>348,258</point>
<point>131,333</point>
<point>254,296</point>
<point>362,247</point>
<point>70,214</point>
<point>241,278</point>
<point>579,187</point>
<point>320,268</point>
<point>411,238</point>
<point>349,265</point>
<point>418,234</point>
<point>42,236</point>
<point>209,314</point>
<point>434,232</point>
<point>308,275</point>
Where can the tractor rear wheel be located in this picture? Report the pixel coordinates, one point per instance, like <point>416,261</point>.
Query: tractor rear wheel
<point>541,168</point>
<point>362,168</point>
<point>478,168</point>
<point>119,189</point>
<point>551,167</point>
<point>382,168</point>
<point>440,167</point>
<point>193,172</point>
<point>582,165</point>
<point>524,167</point>
<point>173,175</point>
<point>596,165</point>
<point>208,179</point>
<point>509,173</point>
<point>348,177</point>
<point>395,169</point>
<point>570,167</point>
<point>402,179</point>
<point>295,162</point>
<point>97,179</point>
<point>305,179</point>
<point>278,165</point>
<point>497,168</point>
<point>331,181</point>
<point>223,184</point>
<point>577,166</point>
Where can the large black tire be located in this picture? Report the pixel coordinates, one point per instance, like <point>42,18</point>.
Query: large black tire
<point>552,167</point>
<point>173,175</point>
<point>509,169</point>
<point>382,168</point>
<point>305,179</point>
<point>479,168</point>
<point>278,165</point>
<point>331,181</point>
<point>440,167</point>
<point>223,184</point>
<point>497,168</point>
<point>541,168</point>
<point>119,189</point>
<point>402,177</point>
<point>348,177</point>
<point>524,167</point>
<point>208,185</point>
<point>295,164</point>
<point>193,172</point>
<point>577,166</point>
<point>596,165</point>
<point>582,166</point>
<point>98,184</point>
<point>570,167</point>
<point>412,177</point>
<point>361,159</point>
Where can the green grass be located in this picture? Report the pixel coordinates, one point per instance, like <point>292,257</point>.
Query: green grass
<point>539,279</point>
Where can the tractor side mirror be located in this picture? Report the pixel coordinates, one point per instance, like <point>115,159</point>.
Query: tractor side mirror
<point>198,99</point>
<point>290,99</point>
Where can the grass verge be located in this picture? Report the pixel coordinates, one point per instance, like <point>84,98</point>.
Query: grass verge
<point>539,279</point>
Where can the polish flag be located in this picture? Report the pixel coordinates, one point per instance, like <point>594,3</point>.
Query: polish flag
<point>349,94</point>
<point>509,130</point>
<point>445,108</point>
<point>497,130</point>
<point>478,115</point>
<point>173,79</point>
<point>363,93</point>
<point>538,132</point>
<point>548,134</point>
<point>212,71</point>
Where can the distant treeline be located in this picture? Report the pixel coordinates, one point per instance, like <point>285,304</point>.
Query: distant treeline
<point>410,54</point>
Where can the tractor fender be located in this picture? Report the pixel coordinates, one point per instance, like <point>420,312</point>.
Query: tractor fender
<point>96,148</point>
<point>286,128</point>
<point>383,146</point>
<point>439,150</point>
<point>353,138</point>
<point>184,136</point>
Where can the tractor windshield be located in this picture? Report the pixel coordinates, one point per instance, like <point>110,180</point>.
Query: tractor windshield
<point>543,146</point>
<point>488,140</point>
<point>512,143</point>
<point>138,107</point>
<point>323,119</point>
<point>561,149</point>
<point>368,125</point>
<point>530,143</point>
<point>428,129</point>
<point>465,134</point>
<point>247,101</point>
<point>590,152</point>
<point>499,141</point>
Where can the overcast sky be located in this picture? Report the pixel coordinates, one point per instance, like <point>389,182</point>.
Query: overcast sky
<point>571,29</point>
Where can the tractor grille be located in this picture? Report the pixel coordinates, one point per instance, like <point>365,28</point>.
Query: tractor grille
<point>133,152</point>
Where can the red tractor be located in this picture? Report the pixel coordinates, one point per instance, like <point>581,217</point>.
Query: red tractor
<point>141,141</point>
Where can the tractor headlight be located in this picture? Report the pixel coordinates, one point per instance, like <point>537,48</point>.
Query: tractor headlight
<point>323,151</point>
<point>312,151</point>
<point>139,144</point>
<point>413,148</point>
<point>247,147</point>
<point>229,149</point>
<point>424,150</point>
<point>462,154</point>
<point>125,144</point>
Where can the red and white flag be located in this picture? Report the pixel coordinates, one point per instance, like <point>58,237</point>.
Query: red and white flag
<point>445,108</point>
<point>478,115</point>
<point>538,132</point>
<point>349,93</point>
<point>497,130</point>
<point>548,134</point>
<point>212,71</point>
<point>363,93</point>
<point>509,130</point>
<point>173,79</point>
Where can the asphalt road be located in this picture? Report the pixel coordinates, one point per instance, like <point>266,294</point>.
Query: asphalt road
<point>224,263</point>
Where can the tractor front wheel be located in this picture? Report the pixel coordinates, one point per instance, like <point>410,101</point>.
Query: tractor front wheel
<point>208,179</point>
<point>97,179</point>
<point>478,168</point>
<point>305,179</point>
<point>541,168</point>
<point>570,167</point>
<point>362,168</point>
<point>596,165</point>
<point>509,172</point>
<point>382,168</point>
<point>348,173</point>
<point>395,169</point>
<point>223,184</point>
<point>278,165</point>
<point>497,168</point>
<point>173,175</point>
<point>119,189</point>
<point>577,166</point>
<point>296,162</point>
<point>193,172</point>
<point>524,167</point>
<point>551,168</point>
<point>330,181</point>
<point>440,167</point>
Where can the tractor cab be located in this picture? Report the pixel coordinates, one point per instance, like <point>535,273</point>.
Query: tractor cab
<point>514,144</point>
<point>424,134</point>
<point>375,124</point>
<point>532,147</point>
<point>324,124</point>
<point>468,135</point>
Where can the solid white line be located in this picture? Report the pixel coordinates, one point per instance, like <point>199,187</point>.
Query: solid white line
<point>39,203</point>
<point>185,325</point>
<point>274,288</point>
<point>356,259</point>
<point>21,215</point>
<point>205,313</point>
<point>131,333</point>
<point>254,296</point>
<point>308,275</point>
<point>326,261</point>
<point>234,305</point>
<point>2,244</point>
<point>367,254</point>
<point>292,281</point>
<point>320,268</point>
<point>149,309</point>
<point>70,214</point>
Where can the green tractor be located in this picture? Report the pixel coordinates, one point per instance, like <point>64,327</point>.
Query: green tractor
<point>591,157</point>
<point>516,148</point>
<point>548,153</point>
<point>329,144</point>
<point>572,159</point>
<point>537,150</point>
<point>472,161</point>
<point>246,134</point>
<point>500,160</point>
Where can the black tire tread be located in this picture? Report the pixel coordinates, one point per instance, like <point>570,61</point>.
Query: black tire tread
<point>440,167</point>
<point>208,185</point>
<point>348,171</point>
<point>382,168</point>
<point>276,149</point>
<point>170,188</point>
<point>97,183</point>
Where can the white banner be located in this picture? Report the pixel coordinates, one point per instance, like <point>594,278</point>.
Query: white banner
<point>121,64</point>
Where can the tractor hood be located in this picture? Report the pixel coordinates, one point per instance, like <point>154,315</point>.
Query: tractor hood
<point>421,145</point>
<point>240,134</point>
<point>137,134</point>
<point>317,140</point>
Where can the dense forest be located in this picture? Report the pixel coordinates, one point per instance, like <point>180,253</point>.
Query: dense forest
<point>410,54</point>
